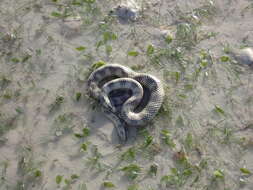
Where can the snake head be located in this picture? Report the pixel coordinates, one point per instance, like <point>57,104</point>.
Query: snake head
<point>94,90</point>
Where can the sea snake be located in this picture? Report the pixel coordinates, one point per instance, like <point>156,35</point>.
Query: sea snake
<point>128,98</point>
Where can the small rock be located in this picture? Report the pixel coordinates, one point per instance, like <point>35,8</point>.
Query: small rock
<point>58,133</point>
<point>73,23</point>
<point>70,27</point>
<point>244,56</point>
<point>242,181</point>
<point>126,13</point>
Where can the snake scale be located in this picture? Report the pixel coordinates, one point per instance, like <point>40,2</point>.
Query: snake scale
<point>128,98</point>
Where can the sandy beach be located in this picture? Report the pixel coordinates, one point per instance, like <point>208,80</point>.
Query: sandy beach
<point>53,135</point>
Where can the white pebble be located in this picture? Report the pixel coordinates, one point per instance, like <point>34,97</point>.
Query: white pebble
<point>245,56</point>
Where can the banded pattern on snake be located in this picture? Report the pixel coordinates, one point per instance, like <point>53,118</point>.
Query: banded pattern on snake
<point>128,98</point>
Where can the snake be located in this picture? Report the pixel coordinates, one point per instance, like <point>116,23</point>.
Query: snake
<point>128,98</point>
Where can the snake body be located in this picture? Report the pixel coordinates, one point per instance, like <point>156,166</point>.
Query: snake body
<point>128,98</point>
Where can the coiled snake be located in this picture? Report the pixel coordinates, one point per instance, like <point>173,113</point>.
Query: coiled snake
<point>128,98</point>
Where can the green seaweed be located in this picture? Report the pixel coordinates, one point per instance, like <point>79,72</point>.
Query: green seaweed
<point>108,184</point>
<point>132,171</point>
<point>133,53</point>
